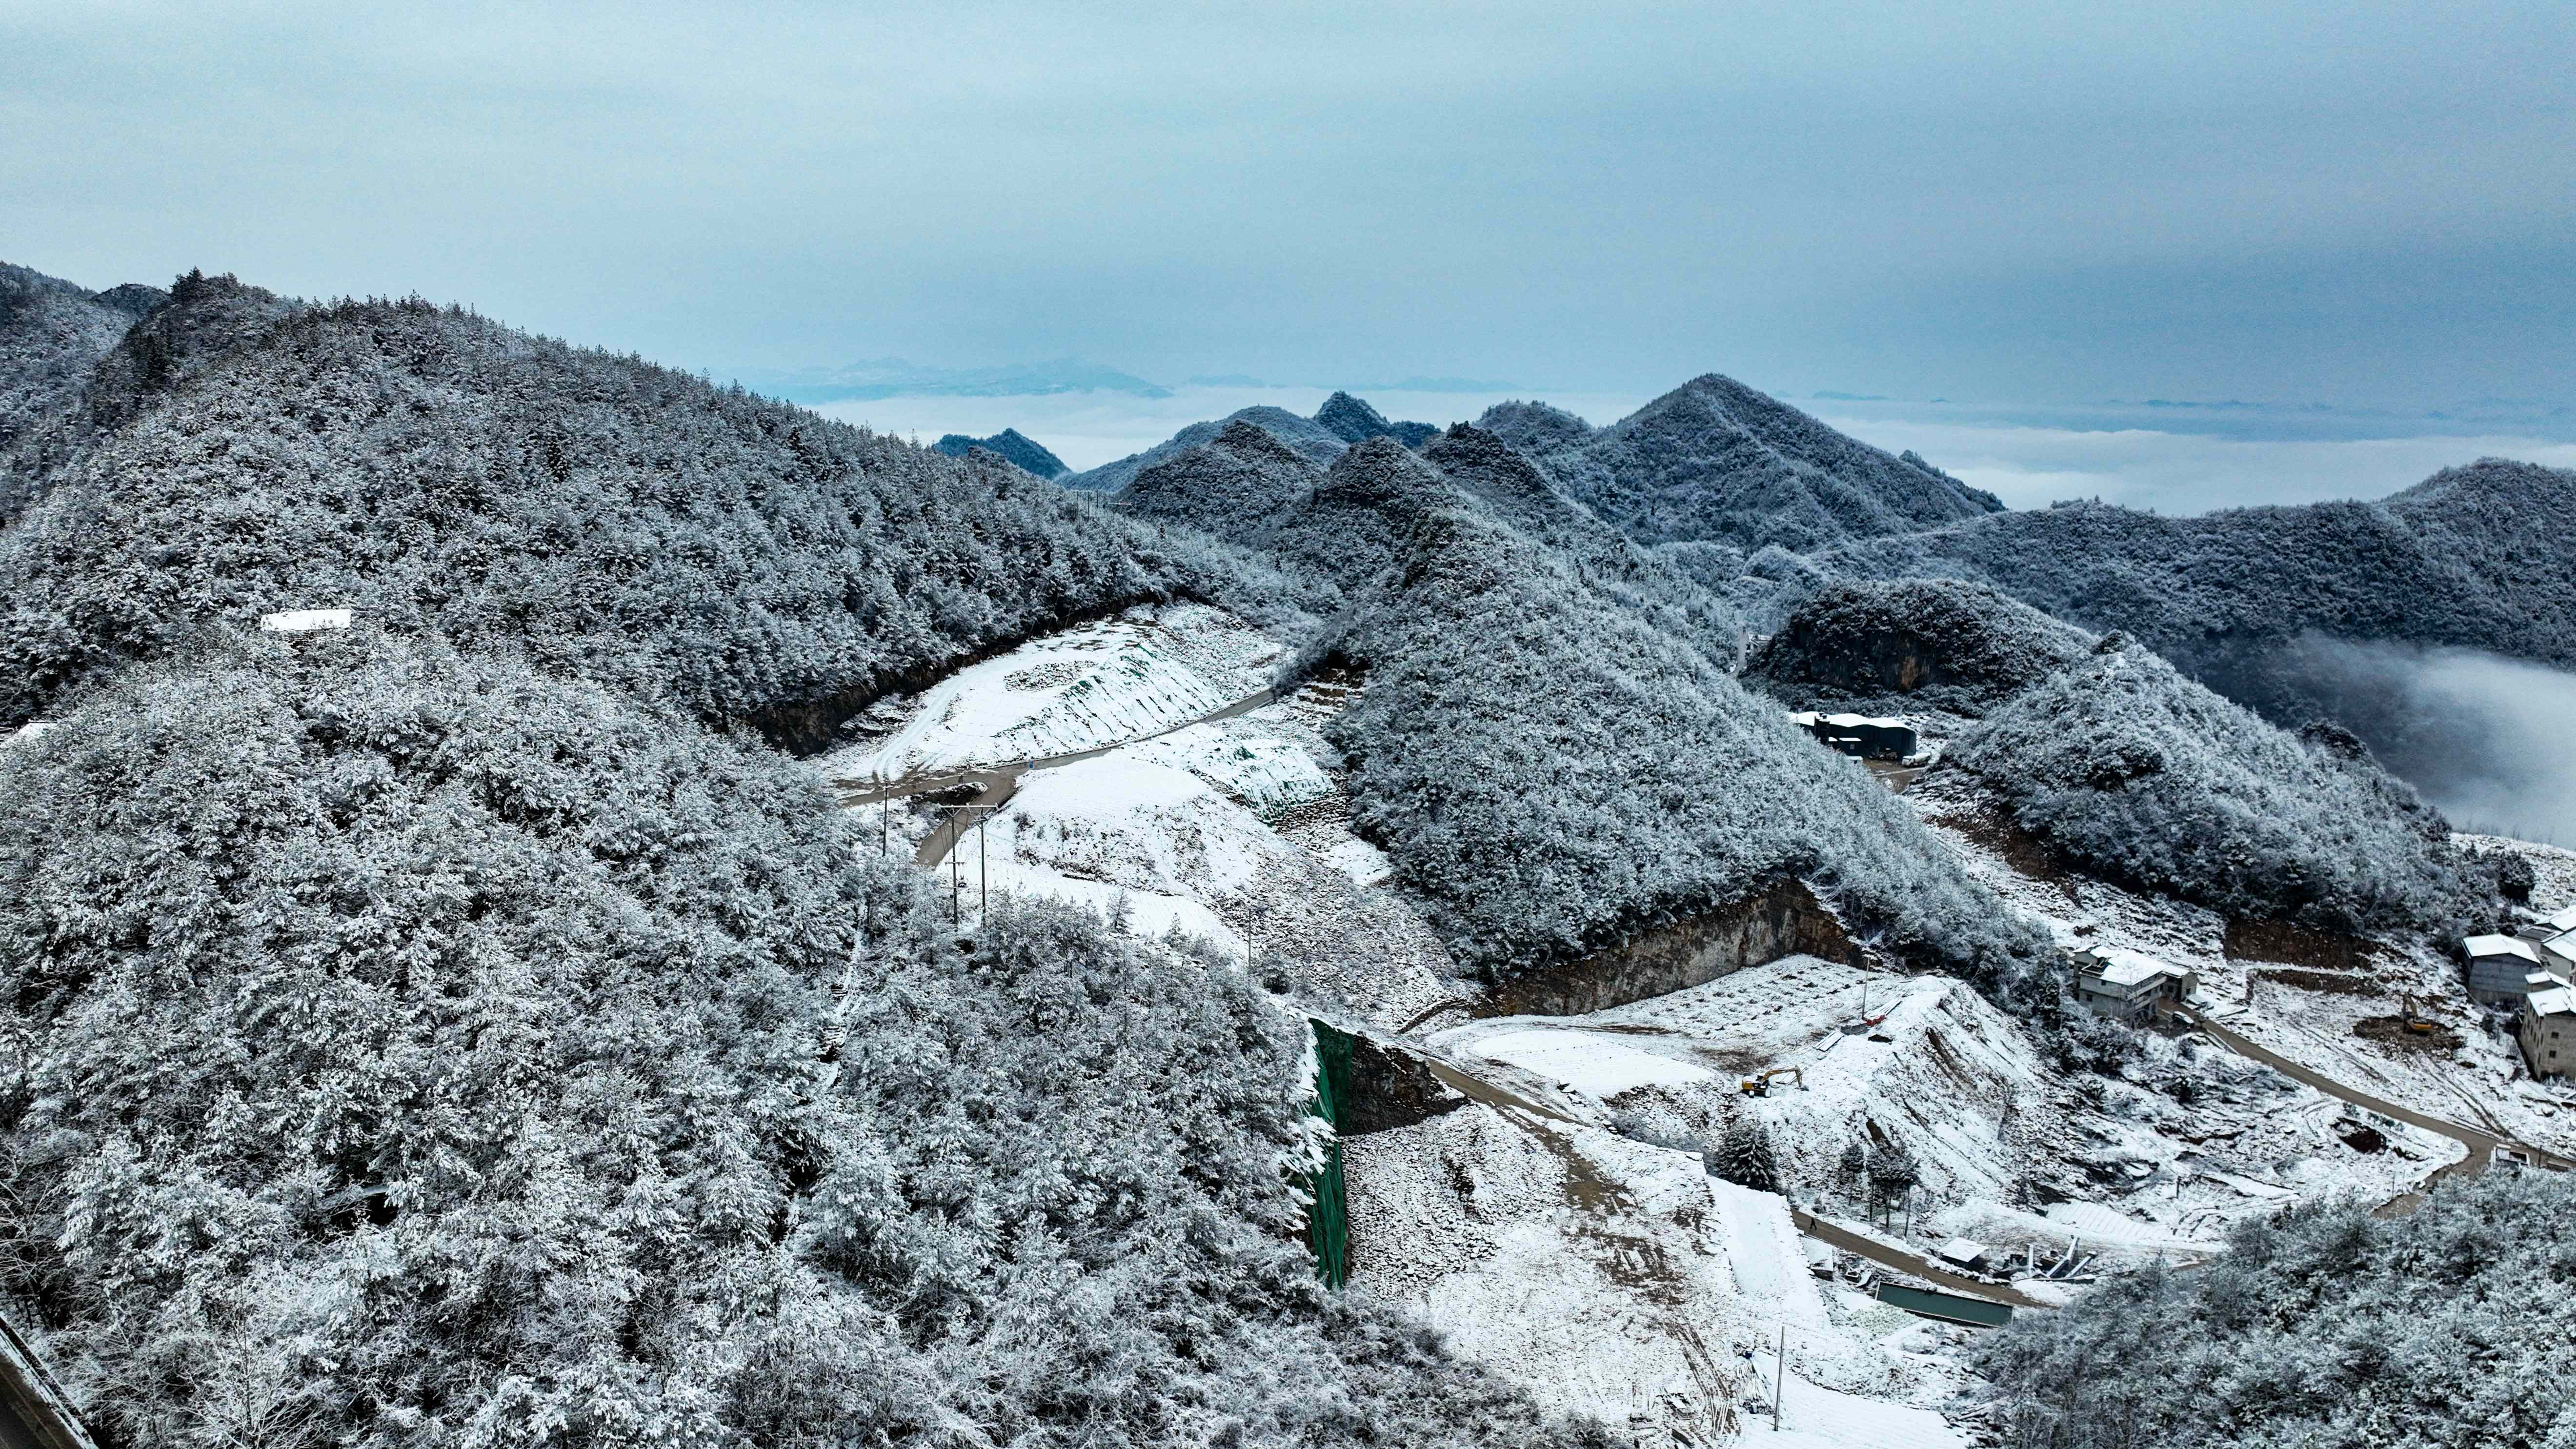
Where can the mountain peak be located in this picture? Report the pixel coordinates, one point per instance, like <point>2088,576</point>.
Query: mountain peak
<point>1714,459</point>
<point>1353,420</point>
<point>1535,428</point>
<point>1012,446</point>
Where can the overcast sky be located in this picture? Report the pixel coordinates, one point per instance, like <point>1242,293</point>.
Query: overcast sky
<point>2363,204</point>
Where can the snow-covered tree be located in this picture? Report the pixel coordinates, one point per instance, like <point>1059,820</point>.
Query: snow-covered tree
<point>1744,1156</point>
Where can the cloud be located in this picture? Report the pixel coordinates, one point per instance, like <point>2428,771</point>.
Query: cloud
<point>2484,738</point>
<point>2185,473</point>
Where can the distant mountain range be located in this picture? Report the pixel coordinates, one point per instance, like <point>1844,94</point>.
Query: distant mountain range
<point>887,377</point>
<point>893,377</point>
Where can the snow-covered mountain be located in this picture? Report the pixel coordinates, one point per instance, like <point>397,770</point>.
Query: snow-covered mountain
<point>763,930</point>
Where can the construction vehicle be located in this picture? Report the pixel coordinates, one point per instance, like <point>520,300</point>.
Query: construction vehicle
<point>1760,1086</point>
<point>2416,1020</point>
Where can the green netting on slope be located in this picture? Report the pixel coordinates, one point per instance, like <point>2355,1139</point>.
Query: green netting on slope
<point>1328,1224</point>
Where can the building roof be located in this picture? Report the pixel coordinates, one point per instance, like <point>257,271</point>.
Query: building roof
<point>2559,921</point>
<point>1963,1250</point>
<point>2555,1001</point>
<point>43,1414</point>
<point>2492,946</point>
<point>304,621</point>
<point>2117,967</point>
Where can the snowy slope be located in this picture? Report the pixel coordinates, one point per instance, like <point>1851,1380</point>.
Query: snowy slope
<point>1104,683</point>
<point>1560,1256</point>
<point>2178,1158</point>
<point>1941,1082</point>
<point>1174,828</point>
<point>1815,1417</point>
<point>1762,1247</point>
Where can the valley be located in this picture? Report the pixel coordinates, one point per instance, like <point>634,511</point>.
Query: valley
<point>1329,929</point>
<point>1559,1212</point>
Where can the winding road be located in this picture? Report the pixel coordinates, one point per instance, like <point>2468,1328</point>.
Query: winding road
<point>999,782</point>
<point>2481,1145</point>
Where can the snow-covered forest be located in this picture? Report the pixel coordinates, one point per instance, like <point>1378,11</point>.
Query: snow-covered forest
<point>2150,779</point>
<point>409,1047</point>
<point>2327,1328</point>
<point>522,1017</point>
<point>438,472</point>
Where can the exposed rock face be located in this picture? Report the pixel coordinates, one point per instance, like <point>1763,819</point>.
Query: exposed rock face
<point>1929,643</point>
<point>1783,919</point>
<point>1391,1085</point>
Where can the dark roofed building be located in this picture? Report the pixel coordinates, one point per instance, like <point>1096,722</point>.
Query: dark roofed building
<point>34,1412</point>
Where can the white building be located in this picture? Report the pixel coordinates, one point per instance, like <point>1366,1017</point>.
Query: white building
<point>304,621</point>
<point>2555,935</point>
<point>1869,737</point>
<point>2545,1028</point>
<point>2505,969</point>
<point>2129,984</point>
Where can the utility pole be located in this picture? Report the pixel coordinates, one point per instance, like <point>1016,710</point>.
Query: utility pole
<point>1779,1378</point>
<point>983,872</point>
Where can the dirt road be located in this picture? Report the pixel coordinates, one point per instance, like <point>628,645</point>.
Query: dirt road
<point>2481,1145</point>
<point>1914,1263</point>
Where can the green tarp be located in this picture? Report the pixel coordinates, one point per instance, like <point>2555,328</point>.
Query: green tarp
<point>1328,1223</point>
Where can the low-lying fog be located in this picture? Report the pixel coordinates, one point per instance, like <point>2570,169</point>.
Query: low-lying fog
<point>2489,741</point>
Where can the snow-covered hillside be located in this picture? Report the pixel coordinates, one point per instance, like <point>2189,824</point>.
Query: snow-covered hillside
<point>1104,683</point>
<point>1617,1277</point>
<point>1233,829</point>
<point>1557,1226</point>
<point>1940,1072</point>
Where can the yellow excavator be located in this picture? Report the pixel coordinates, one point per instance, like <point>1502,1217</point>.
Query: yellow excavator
<point>2416,1020</point>
<point>1760,1086</point>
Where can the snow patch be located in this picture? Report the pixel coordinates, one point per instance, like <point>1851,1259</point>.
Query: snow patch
<point>1147,671</point>
<point>1586,1061</point>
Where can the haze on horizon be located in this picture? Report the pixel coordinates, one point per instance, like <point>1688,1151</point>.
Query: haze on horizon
<point>2366,205</point>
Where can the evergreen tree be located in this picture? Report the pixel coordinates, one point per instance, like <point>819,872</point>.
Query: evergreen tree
<point>1851,1170</point>
<point>1892,1171</point>
<point>1744,1157</point>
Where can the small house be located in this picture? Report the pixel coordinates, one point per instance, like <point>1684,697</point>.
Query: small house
<point>2545,1027</point>
<point>1964,1254</point>
<point>304,621</point>
<point>2129,985</point>
<point>1862,736</point>
<point>2556,923</point>
<point>2502,969</point>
